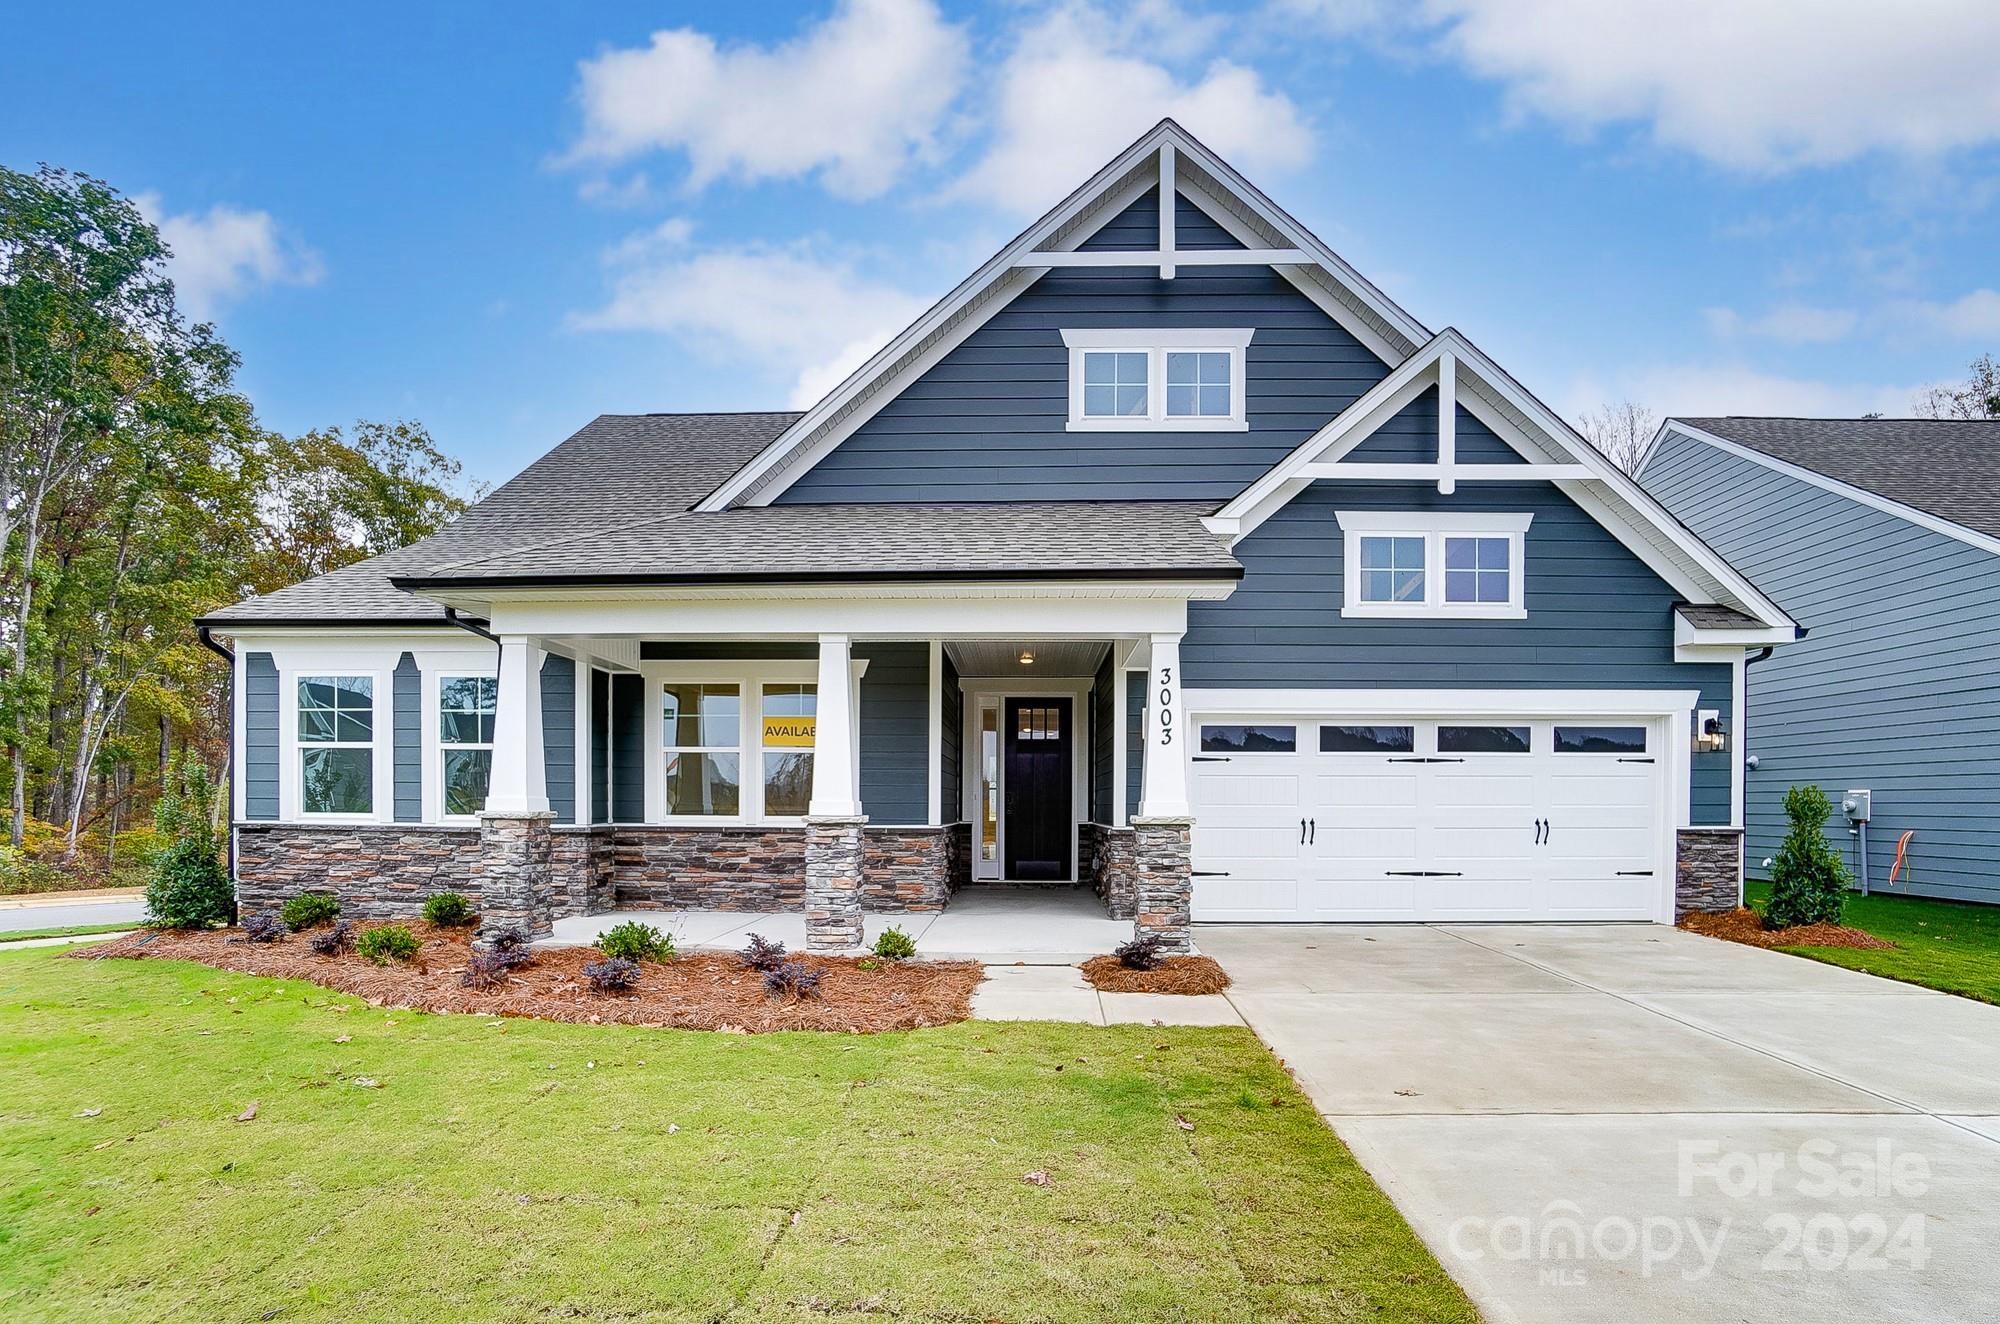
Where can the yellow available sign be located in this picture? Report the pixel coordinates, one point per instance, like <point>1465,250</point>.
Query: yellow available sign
<point>790,732</point>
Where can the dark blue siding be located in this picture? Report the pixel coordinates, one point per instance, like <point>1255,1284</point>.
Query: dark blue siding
<point>1135,739</point>
<point>260,737</point>
<point>628,749</point>
<point>895,732</point>
<point>1598,618</point>
<point>408,725</point>
<point>988,421</point>
<point>951,770</point>
<point>1894,688</point>
<point>559,735</point>
<point>1103,732</point>
<point>600,746</point>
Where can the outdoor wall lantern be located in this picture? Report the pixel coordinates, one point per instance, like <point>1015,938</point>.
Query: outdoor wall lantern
<point>1710,736</point>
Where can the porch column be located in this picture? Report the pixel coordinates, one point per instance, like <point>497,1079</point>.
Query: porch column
<point>833,815</point>
<point>515,844</point>
<point>1162,830</point>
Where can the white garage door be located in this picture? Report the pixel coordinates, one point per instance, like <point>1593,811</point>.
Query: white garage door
<point>1324,819</point>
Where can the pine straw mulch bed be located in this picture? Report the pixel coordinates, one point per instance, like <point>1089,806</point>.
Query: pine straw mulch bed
<point>698,991</point>
<point>1176,974</point>
<point>1747,926</point>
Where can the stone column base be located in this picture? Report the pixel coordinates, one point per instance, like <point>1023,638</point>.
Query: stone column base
<point>833,883</point>
<point>1163,880</point>
<point>516,869</point>
<point>1708,870</point>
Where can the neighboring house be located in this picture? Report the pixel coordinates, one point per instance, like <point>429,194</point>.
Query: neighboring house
<point>1164,555</point>
<point>1882,538</point>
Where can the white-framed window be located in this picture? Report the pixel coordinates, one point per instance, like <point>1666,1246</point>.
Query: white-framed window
<point>702,735</point>
<point>1427,563</point>
<point>789,727</point>
<point>1157,379</point>
<point>466,709</point>
<point>336,745</point>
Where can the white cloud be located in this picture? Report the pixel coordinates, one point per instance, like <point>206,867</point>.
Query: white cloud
<point>1788,324</point>
<point>1971,315</point>
<point>225,253</point>
<point>854,98</point>
<point>792,310</point>
<point>1752,84</point>
<point>1697,389</point>
<point>1078,86</point>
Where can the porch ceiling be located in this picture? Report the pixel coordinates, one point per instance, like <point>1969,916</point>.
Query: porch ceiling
<point>1053,657</point>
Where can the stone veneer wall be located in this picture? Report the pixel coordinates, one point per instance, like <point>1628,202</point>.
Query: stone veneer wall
<point>378,871</point>
<point>1114,868</point>
<point>518,884</point>
<point>958,855</point>
<point>721,868</point>
<point>581,869</point>
<point>1708,870</point>
<point>906,868</point>
<point>1163,880</point>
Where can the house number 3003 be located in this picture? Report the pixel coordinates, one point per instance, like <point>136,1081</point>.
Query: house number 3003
<point>1166,705</point>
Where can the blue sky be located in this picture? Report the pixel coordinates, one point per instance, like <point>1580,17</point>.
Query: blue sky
<point>503,219</point>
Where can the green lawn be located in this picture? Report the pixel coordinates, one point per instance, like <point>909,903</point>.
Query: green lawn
<point>1952,946</point>
<point>72,931</point>
<point>513,1170</point>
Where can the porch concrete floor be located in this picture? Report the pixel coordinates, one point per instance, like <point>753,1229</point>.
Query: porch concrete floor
<point>985,922</point>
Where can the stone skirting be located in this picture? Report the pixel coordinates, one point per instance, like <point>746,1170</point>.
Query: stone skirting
<point>581,870</point>
<point>1163,880</point>
<point>517,879</point>
<point>833,883</point>
<point>698,868</point>
<point>1708,870</point>
<point>378,871</point>
<point>1113,868</point>
<point>906,868</point>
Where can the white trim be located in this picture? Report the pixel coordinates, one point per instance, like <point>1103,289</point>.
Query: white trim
<point>934,764</point>
<point>1874,501</point>
<point>1157,343</point>
<point>1043,260</point>
<point>1443,475</point>
<point>1696,645</point>
<point>1434,528</point>
<point>1122,653</point>
<point>1739,697</point>
<point>925,341</point>
<point>1429,703</point>
<point>1168,194</point>
<point>431,688</point>
<point>381,773</point>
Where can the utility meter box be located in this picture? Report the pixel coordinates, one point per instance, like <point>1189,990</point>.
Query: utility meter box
<point>1857,806</point>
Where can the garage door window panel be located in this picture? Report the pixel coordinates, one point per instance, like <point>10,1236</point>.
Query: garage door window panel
<point>1367,739</point>
<point>1485,739</point>
<point>1249,739</point>
<point>1600,740</point>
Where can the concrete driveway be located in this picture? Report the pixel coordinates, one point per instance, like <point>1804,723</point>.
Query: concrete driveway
<point>1629,1123</point>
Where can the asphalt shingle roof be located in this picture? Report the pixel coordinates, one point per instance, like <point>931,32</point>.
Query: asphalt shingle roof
<point>1711,616</point>
<point>611,505</point>
<point>1944,467</point>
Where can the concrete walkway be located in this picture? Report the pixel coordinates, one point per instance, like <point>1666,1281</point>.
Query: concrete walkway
<point>1628,1123</point>
<point>1026,991</point>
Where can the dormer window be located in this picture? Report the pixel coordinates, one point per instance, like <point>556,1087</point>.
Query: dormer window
<point>1433,564</point>
<point>1156,380</point>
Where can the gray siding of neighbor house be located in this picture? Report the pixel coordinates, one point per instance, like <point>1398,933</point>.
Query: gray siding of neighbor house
<point>559,735</point>
<point>260,737</point>
<point>988,421</point>
<point>1896,686</point>
<point>628,749</point>
<point>600,746</point>
<point>407,717</point>
<point>1103,731</point>
<point>1598,618</point>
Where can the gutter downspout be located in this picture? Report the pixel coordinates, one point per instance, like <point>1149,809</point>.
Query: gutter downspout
<point>207,640</point>
<point>452,617</point>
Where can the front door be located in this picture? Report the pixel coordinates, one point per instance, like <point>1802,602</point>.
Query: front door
<point>1037,782</point>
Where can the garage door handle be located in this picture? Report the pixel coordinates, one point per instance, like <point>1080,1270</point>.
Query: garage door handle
<point>1424,758</point>
<point>1422,873</point>
<point>1635,873</point>
<point>1302,832</point>
<point>1633,760</point>
<point>1209,873</point>
<point>1211,758</point>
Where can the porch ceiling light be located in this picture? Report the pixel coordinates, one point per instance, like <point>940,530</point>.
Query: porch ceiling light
<point>1027,657</point>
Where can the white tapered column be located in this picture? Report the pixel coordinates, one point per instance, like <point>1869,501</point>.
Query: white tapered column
<point>836,751</point>
<point>1164,789</point>
<point>519,782</point>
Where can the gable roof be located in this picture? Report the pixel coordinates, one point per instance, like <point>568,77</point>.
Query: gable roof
<point>1463,373</point>
<point>1948,468</point>
<point>657,460</point>
<point>1165,155</point>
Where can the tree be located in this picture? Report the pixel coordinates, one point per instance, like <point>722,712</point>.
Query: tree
<point>189,889</point>
<point>1620,431</point>
<point>1808,879</point>
<point>1977,397</point>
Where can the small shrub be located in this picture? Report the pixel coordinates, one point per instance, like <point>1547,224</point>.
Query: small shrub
<point>484,970</point>
<point>612,975</point>
<point>793,977</point>
<point>633,941</point>
<point>868,963</point>
<point>309,908</point>
<point>264,928</point>
<point>1142,953</point>
<point>447,910</point>
<point>895,945</point>
<point>333,941</point>
<point>189,888</point>
<point>390,942</point>
<point>762,954</point>
<point>509,944</point>
<point>1808,878</point>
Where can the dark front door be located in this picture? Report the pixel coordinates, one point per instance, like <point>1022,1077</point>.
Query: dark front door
<point>1038,789</point>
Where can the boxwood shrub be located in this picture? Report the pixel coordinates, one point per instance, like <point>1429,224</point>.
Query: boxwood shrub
<point>447,910</point>
<point>633,941</point>
<point>308,909</point>
<point>390,942</point>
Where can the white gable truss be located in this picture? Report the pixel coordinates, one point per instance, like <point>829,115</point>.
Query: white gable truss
<point>1168,157</point>
<point>1550,451</point>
